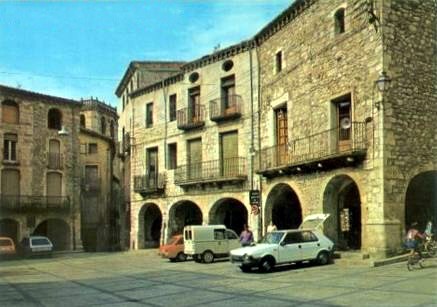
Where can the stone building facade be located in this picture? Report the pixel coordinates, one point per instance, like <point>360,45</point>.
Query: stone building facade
<point>40,183</point>
<point>338,104</point>
<point>101,206</point>
<point>329,139</point>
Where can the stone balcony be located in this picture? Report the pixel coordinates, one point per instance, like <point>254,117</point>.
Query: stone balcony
<point>333,148</point>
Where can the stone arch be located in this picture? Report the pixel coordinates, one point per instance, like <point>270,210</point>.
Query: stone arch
<point>229,212</point>
<point>283,207</point>
<point>421,200</point>
<point>150,224</point>
<point>10,228</point>
<point>342,200</point>
<point>57,230</point>
<point>181,214</point>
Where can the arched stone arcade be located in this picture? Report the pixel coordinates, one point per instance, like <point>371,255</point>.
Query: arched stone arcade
<point>421,200</point>
<point>229,212</point>
<point>341,199</point>
<point>150,224</point>
<point>57,230</point>
<point>181,214</point>
<point>283,207</point>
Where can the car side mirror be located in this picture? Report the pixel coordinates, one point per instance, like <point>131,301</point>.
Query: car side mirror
<point>282,243</point>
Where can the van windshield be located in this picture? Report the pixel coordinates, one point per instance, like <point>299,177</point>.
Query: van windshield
<point>272,238</point>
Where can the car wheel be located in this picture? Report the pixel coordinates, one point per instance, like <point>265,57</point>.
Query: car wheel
<point>208,257</point>
<point>197,258</point>
<point>266,265</point>
<point>245,268</point>
<point>322,258</point>
<point>181,257</point>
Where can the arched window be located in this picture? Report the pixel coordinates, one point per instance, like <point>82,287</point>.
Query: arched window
<point>54,119</point>
<point>82,121</point>
<point>339,21</point>
<point>103,124</point>
<point>10,112</point>
<point>112,129</point>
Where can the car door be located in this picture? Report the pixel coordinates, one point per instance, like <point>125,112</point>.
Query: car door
<point>290,248</point>
<point>233,239</point>
<point>309,245</point>
<point>221,242</point>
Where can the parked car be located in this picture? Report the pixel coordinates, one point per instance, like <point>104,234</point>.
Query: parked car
<point>287,246</point>
<point>36,245</point>
<point>174,249</point>
<point>7,248</point>
<point>205,243</point>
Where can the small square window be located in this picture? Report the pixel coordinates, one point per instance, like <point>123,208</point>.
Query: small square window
<point>92,148</point>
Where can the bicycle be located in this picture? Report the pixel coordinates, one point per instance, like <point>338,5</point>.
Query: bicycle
<point>414,259</point>
<point>430,246</point>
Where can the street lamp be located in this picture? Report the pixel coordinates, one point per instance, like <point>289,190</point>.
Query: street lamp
<point>383,82</point>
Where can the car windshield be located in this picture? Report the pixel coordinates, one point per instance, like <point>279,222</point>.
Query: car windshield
<point>272,238</point>
<point>40,242</point>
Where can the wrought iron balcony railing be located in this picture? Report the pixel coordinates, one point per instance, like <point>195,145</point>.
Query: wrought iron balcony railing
<point>149,183</point>
<point>329,146</point>
<point>228,107</point>
<point>231,169</point>
<point>32,203</point>
<point>55,160</point>
<point>191,118</point>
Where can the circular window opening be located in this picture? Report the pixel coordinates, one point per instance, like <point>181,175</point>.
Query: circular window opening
<point>194,77</point>
<point>227,65</point>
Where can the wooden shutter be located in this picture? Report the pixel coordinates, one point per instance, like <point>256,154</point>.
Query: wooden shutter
<point>54,184</point>
<point>10,113</point>
<point>229,154</point>
<point>194,158</point>
<point>282,136</point>
<point>10,182</point>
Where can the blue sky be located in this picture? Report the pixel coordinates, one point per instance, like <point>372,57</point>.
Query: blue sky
<point>77,49</point>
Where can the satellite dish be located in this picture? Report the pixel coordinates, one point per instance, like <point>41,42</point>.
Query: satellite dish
<point>345,123</point>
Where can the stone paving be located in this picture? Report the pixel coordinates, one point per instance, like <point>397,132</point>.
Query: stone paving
<point>142,278</point>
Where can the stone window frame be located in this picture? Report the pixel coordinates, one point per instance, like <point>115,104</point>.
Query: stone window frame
<point>62,181</point>
<point>275,61</point>
<point>82,121</point>
<point>54,119</point>
<point>333,17</point>
<point>90,149</point>
<point>149,115</point>
<point>10,138</point>
<point>170,165</point>
<point>275,103</point>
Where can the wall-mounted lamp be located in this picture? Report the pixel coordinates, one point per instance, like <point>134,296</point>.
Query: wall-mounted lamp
<point>383,82</point>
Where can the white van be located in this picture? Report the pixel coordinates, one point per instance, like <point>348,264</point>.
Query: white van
<point>204,243</point>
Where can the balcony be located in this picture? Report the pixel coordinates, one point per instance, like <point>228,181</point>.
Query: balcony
<point>55,160</point>
<point>328,149</point>
<point>216,171</point>
<point>191,118</point>
<point>37,204</point>
<point>149,184</point>
<point>225,108</point>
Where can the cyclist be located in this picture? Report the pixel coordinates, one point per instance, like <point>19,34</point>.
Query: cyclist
<point>413,238</point>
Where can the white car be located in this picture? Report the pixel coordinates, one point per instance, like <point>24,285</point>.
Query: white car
<point>287,246</point>
<point>36,245</point>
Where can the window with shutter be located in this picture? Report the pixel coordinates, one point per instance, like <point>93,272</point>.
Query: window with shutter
<point>10,112</point>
